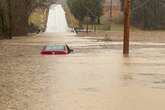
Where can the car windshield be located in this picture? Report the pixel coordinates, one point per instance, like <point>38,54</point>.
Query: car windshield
<point>55,47</point>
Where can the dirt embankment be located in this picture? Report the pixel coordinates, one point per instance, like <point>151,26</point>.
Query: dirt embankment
<point>138,36</point>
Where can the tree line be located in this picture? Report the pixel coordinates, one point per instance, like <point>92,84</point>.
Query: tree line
<point>14,15</point>
<point>147,14</point>
<point>86,11</point>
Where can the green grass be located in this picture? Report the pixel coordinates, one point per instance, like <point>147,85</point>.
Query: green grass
<point>120,27</point>
<point>114,27</point>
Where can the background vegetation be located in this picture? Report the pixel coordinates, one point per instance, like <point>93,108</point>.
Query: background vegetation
<point>148,14</point>
<point>14,15</point>
<point>86,11</point>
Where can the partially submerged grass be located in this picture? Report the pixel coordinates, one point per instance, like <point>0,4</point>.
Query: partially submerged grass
<point>113,27</point>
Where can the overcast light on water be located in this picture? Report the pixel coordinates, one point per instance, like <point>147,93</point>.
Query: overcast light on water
<point>56,19</point>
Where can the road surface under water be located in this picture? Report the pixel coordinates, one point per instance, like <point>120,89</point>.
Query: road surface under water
<point>94,77</point>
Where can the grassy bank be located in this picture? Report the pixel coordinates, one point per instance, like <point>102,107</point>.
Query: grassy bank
<point>112,27</point>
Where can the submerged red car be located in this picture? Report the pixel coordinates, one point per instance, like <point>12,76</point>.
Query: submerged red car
<point>56,50</point>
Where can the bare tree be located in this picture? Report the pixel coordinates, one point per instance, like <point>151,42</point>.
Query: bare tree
<point>17,12</point>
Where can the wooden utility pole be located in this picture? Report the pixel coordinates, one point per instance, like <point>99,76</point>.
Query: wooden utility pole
<point>110,13</point>
<point>127,10</point>
<point>10,19</point>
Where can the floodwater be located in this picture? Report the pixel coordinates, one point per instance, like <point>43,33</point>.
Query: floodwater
<point>56,19</point>
<point>96,76</point>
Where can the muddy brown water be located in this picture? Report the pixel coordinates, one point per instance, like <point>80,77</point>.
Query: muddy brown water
<point>94,77</point>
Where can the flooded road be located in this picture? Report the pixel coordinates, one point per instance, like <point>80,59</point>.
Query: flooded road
<point>94,77</point>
